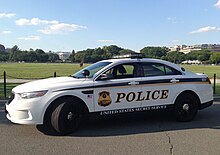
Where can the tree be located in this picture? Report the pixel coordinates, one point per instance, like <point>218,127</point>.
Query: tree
<point>126,51</point>
<point>175,57</point>
<point>14,53</point>
<point>94,55</point>
<point>41,55</point>
<point>154,52</point>
<point>202,55</point>
<point>4,56</point>
<point>79,56</point>
<point>2,48</point>
<point>52,57</point>
<point>215,58</point>
<point>72,56</point>
<point>112,50</point>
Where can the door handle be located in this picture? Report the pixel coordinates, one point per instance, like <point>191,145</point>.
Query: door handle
<point>133,83</point>
<point>174,80</point>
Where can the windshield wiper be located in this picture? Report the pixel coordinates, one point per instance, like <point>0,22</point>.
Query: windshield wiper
<point>74,76</point>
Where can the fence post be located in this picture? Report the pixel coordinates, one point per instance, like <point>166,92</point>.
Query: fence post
<point>55,74</point>
<point>4,84</point>
<point>214,85</point>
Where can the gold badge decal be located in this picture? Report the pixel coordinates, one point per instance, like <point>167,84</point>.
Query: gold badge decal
<point>104,98</point>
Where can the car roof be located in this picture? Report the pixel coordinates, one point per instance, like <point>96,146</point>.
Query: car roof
<point>127,60</point>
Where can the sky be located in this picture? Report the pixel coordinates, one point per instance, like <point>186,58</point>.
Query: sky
<point>55,25</point>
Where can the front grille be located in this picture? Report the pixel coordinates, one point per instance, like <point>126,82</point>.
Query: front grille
<point>11,97</point>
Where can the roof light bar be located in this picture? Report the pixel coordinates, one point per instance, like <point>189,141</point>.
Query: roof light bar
<point>132,55</point>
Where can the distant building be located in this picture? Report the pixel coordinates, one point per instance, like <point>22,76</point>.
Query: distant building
<point>213,47</point>
<point>2,48</point>
<point>64,55</point>
<point>192,62</point>
<point>175,48</point>
<point>186,49</point>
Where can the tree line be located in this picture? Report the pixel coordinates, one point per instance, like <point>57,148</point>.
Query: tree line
<point>16,55</point>
<point>93,55</point>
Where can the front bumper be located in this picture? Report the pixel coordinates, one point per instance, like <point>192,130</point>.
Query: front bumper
<point>19,116</point>
<point>24,111</point>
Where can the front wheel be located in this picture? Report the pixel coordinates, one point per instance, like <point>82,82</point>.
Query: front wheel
<point>186,107</point>
<point>66,117</point>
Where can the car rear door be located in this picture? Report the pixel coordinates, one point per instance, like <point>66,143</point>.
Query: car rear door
<point>160,84</point>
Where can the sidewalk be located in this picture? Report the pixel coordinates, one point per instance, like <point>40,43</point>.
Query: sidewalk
<point>217,80</point>
<point>17,80</point>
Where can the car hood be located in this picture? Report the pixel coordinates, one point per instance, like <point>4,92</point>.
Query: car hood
<point>51,84</point>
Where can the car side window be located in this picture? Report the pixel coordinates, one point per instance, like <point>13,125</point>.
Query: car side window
<point>171,71</point>
<point>121,71</point>
<point>157,69</point>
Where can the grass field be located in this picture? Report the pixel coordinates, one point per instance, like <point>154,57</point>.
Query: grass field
<point>37,70</point>
<point>206,69</point>
<point>43,70</point>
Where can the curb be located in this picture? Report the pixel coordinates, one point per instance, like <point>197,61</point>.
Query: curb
<point>216,98</point>
<point>2,102</point>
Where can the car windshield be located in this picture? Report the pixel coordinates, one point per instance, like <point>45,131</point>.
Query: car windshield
<point>92,69</point>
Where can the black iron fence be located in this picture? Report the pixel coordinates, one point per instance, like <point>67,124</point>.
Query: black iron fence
<point>5,77</point>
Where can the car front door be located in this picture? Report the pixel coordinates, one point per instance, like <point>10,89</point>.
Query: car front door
<point>117,90</point>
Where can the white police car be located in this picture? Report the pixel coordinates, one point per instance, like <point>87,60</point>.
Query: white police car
<point>110,87</point>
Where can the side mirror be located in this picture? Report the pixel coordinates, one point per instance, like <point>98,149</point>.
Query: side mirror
<point>85,73</point>
<point>106,76</point>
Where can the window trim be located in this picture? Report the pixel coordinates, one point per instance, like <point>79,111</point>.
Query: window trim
<point>141,64</point>
<point>135,64</point>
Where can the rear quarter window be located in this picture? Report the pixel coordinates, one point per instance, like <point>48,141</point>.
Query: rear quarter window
<point>157,69</point>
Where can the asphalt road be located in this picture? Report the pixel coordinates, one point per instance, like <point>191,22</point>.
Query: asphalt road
<point>156,133</point>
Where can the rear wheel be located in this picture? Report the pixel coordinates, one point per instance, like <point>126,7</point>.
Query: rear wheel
<point>66,117</point>
<point>186,107</point>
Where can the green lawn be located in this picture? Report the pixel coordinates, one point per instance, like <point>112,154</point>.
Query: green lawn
<point>43,70</point>
<point>37,70</point>
<point>206,69</point>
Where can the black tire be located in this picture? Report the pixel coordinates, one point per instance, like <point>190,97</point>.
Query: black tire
<point>186,107</point>
<point>66,117</point>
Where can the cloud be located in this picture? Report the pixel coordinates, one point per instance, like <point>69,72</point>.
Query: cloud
<point>60,27</point>
<point>176,41</point>
<point>49,27</point>
<point>6,32</point>
<point>34,21</point>
<point>22,21</point>
<point>217,4</point>
<point>7,15</point>
<point>105,41</point>
<point>206,29</point>
<point>30,38</point>
<point>173,20</point>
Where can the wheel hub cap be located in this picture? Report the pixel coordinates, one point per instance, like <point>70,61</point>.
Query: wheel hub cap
<point>70,116</point>
<point>186,107</point>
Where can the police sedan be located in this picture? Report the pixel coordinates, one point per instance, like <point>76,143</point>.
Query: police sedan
<point>110,87</point>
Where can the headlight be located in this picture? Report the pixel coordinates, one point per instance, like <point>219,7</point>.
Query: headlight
<point>35,94</point>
